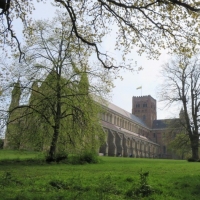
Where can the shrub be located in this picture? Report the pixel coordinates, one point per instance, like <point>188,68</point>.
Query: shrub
<point>89,157</point>
<point>143,189</point>
<point>84,158</point>
<point>191,160</point>
<point>61,157</point>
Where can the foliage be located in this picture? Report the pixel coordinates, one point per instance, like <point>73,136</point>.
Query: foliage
<point>61,97</point>
<point>181,145</point>
<point>149,25</point>
<point>89,157</point>
<point>191,160</point>
<point>176,139</point>
<point>143,189</point>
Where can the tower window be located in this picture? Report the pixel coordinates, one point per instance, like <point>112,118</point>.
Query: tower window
<point>144,105</point>
<point>137,105</point>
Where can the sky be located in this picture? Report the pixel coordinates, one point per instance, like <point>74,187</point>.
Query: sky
<point>148,78</point>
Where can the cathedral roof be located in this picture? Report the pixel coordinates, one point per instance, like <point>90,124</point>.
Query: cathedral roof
<point>165,123</point>
<point>126,114</point>
<point>159,124</point>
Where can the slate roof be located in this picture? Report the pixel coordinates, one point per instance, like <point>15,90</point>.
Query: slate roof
<point>159,124</point>
<point>125,114</point>
<point>164,123</point>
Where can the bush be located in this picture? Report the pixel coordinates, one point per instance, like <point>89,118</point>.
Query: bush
<point>89,157</point>
<point>84,158</point>
<point>61,157</point>
<point>143,189</point>
<point>191,160</point>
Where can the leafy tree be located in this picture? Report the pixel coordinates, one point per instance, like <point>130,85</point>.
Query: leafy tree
<point>62,106</point>
<point>150,25</point>
<point>182,84</point>
<point>175,138</point>
<point>181,145</point>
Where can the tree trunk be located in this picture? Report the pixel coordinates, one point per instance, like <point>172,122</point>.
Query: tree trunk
<point>52,150</point>
<point>195,146</point>
<point>57,118</point>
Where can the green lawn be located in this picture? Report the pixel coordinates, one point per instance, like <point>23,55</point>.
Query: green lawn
<point>112,178</point>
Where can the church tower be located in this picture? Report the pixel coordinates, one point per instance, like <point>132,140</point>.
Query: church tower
<point>144,107</point>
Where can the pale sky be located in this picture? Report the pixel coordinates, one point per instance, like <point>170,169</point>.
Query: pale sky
<point>150,79</point>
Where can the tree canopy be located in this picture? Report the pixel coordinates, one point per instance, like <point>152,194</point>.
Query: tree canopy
<point>147,26</point>
<point>61,115</point>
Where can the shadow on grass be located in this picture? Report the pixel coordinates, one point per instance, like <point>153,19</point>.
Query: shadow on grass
<point>71,160</point>
<point>28,161</point>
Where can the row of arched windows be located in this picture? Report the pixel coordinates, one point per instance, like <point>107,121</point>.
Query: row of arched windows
<point>123,123</point>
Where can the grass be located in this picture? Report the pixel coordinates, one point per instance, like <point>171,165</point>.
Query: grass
<point>113,178</point>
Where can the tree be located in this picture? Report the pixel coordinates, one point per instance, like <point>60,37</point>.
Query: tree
<point>182,84</point>
<point>175,138</point>
<point>62,106</point>
<point>150,25</point>
<point>181,145</point>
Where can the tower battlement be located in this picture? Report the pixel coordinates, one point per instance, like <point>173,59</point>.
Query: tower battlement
<point>144,97</point>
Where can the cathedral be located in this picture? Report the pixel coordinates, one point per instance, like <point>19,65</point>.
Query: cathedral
<point>137,134</point>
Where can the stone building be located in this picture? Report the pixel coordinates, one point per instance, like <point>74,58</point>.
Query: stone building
<point>136,134</point>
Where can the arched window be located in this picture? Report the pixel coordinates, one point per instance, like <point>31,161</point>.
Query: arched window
<point>128,142</point>
<point>110,118</point>
<point>115,120</point>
